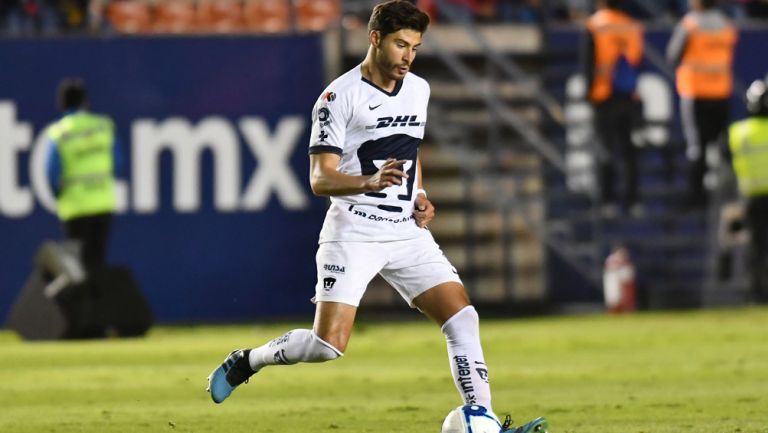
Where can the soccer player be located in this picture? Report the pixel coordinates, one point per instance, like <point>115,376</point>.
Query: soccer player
<point>366,130</point>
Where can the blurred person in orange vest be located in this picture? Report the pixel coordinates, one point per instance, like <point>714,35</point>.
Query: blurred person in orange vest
<point>701,48</point>
<point>612,50</point>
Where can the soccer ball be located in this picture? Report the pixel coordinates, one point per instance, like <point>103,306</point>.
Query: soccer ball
<point>471,418</point>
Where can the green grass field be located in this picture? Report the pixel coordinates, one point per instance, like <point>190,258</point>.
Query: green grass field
<point>704,371</point>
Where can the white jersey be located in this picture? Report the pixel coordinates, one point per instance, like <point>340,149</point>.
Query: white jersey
<point>366,125</point>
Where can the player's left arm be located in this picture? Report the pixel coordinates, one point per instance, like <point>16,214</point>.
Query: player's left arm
<point>423,210</point>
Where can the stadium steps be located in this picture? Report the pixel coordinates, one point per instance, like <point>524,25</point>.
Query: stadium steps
<point>498,257</point>
<point>669,245</point>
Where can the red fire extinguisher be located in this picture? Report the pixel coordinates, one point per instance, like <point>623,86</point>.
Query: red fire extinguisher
<point>619,281</point>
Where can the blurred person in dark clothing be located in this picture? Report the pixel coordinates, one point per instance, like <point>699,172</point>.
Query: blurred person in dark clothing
<point>757,9</point>
<point>612,50</point>
<point>30,17</point>
<point>520,11</point>
<point>74,14</point>
<point>33,17</point>
<point>748,141</point>
<point>701,50</point>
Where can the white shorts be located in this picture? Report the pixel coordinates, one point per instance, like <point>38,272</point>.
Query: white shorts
<point>411,266</point>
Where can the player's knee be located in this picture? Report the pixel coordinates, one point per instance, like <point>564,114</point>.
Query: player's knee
<point>322,350</point>
<point>338,340</point>
<point>338,344</point>
<point>465,323</point>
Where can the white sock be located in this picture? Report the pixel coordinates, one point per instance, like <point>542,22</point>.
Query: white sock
<point>298,345</point>
<point>465,354</point>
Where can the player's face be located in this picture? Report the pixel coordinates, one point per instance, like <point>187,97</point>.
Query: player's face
<point>396,52</point>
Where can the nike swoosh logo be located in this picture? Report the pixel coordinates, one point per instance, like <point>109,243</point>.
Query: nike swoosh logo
<point>374,107</point>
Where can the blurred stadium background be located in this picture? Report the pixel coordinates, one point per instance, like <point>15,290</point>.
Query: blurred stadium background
<point>212,101</point>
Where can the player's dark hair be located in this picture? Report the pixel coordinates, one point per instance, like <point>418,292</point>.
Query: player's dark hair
<point>613,4</point>
<point>72,94</point>
<point>708,4</point>
<point>397,15</point>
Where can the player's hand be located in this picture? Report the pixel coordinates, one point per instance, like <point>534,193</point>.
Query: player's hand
<point>423,211</point>
<point>389,174</point>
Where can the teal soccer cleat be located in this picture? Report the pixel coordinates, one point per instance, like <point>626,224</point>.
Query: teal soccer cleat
<point>539,425</point>
<point>229,375</point>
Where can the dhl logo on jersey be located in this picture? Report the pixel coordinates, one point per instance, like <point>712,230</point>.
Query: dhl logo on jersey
<point>394,122</point>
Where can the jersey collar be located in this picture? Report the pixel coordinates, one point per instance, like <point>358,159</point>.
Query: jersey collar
<point>394,92</point>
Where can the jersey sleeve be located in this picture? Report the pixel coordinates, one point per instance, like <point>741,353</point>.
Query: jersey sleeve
<point>427,95</point>
<point>329,120</point>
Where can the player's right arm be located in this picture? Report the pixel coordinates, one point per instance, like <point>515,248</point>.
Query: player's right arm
<point>326,180</point>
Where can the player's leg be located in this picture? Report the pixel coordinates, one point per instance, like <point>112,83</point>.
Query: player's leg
<point>333,323</point>
<point>426,279</point>
<point>442,302</point>
<point>344,270</point>
<point>448,305</point>
<point>325,342</point>
<point>298,345</point>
